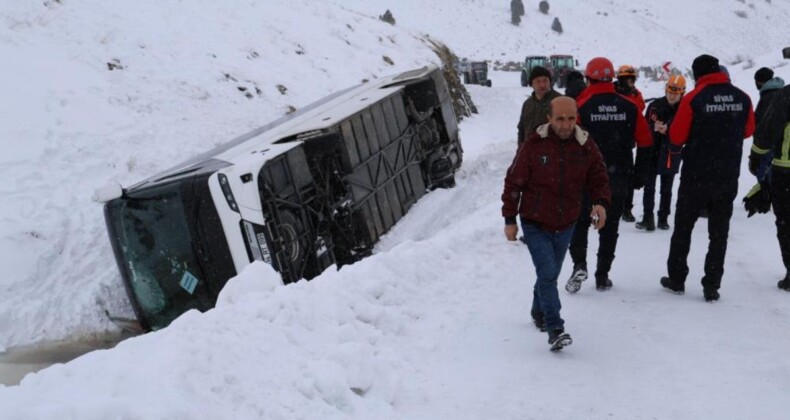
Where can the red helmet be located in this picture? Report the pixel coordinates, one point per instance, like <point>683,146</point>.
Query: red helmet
<point>600,69</point>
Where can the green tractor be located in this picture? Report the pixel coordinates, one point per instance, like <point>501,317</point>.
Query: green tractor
<point>531,62</point>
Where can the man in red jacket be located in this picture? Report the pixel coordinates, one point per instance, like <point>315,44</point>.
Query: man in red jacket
<point>711,123</point>
<point>544,186</point>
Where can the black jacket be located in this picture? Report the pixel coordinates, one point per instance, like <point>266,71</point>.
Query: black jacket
<point>766,94</point>
<point>665,159</point>
<point>773,133</point>
<point>616,124</point>
<point>711,123</point>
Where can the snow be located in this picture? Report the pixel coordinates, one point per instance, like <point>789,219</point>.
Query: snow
<point>435,324</point>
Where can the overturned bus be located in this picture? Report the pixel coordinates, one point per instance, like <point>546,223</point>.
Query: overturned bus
<point>312,189</point>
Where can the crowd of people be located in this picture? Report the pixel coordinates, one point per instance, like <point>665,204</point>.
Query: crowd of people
<point>575,168</point>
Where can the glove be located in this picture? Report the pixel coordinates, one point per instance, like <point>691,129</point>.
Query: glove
<point>758,199</point>
<point>754,162</point>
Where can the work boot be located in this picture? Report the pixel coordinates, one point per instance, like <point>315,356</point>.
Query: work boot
<point>711,295</point>
<point>558,339</point>
<point>603,284</point>
<point>784,284</point>
<point>628,216</point>
<point>647,223</point>
<point>577,277</point>
<point>672,287</point>
<point>662,223</point>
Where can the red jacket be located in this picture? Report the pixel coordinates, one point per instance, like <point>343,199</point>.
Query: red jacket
<point>545,182</point>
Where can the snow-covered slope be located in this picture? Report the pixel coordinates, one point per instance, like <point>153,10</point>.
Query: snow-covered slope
<point>634,32</point>
<point>71,124</point>
<point>435,324</point>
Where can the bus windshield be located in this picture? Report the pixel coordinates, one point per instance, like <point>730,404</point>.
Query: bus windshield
<point>157,253</point>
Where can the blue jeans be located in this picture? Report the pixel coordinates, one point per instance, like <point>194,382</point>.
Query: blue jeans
<point>548,252</point>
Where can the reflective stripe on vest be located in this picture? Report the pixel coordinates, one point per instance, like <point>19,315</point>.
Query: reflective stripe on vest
<point>783,160</point>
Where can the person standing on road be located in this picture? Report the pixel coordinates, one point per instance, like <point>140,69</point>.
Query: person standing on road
<point>626,86</point>
<point>535,110</point>
<point>543,187</point>
<point>711,123</point>
<point>773,135</point>
<point>616,124</point>
<point>664,159</point>
<point>768,85</point>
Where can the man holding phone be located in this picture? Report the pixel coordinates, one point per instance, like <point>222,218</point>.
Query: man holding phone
<point>544,187</point>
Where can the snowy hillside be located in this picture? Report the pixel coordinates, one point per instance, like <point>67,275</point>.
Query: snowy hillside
<point>435,324</point>
<point>641,33</point>
<point>73,124</point>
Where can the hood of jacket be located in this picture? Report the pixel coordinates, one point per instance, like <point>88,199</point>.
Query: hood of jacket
<point>579,134</point>
<point>773,84</point>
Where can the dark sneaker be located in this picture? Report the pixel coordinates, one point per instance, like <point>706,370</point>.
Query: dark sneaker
<point>540,323</point>
<point>670,286</point>
<point>577,277</point>
<point>784,284</point>
<point>647,223</point>
<point>558,339</point>
<point>662,224</point>
<point>628,216</point>
<point>603,284</point>
<point>711,295</point>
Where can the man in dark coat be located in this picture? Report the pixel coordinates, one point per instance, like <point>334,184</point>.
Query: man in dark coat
<point>773,135</point>
<point>616,124</point>
<point>767,84</point>
<point>574,84</point>
<point>711,123</point>
<point>535,110</point>
<point>543,186</point>
<point>664,159</point>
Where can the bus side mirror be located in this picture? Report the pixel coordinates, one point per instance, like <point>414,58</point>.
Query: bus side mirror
<point>107,192</point>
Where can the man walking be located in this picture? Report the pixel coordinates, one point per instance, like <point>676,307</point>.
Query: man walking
<point>615,123</point>
<point>711,123</point>
<point>535,110</point>
<point>543,186</point>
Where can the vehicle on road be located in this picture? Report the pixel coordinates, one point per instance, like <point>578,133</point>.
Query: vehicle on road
<point>477,74</point>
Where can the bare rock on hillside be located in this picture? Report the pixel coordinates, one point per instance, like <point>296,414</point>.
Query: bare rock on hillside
<point>556,26</point>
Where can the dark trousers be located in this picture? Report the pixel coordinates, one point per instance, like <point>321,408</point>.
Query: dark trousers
<point>607,243</point>
<point>692,198</point>
<point>780,201</point>
<point>548,252</point>
<point>628,201</point>
<point>649,197</point>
